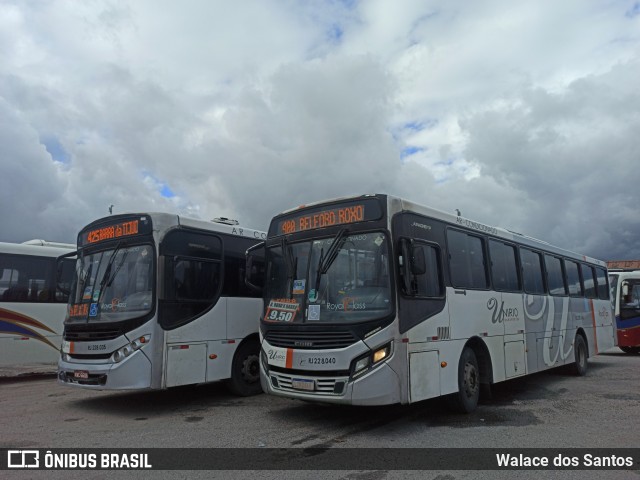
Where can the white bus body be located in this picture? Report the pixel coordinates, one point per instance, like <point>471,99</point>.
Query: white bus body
<point>625,294</point>
<point>160,301</point>
<point>376,300</point>
<point>32,308</point>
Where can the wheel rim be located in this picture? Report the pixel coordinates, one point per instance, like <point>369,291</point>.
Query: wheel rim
<point>251,369</point>
<point>471,383</point>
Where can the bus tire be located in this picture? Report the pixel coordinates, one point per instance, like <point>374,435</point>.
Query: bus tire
<point>245,370</point>
<point>580,354</point>
<point>466,399</point>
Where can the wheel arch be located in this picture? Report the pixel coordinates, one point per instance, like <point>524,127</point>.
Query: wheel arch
<point>483,358</point>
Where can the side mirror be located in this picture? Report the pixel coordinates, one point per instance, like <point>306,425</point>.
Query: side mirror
<point>63,273</point>
<point>255,266</point>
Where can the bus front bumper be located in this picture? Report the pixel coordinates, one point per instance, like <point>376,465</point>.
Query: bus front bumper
<point>133,373</point>
<point>380,386</point>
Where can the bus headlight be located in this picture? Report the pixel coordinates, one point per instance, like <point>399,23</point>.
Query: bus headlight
<point>370,360</point>
<point>128,349</point>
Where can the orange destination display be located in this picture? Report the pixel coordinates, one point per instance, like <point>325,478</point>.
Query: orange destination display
<point>114,231</point>
<point>328,216</point>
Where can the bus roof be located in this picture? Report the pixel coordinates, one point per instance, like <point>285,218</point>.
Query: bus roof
<point>54,250</point>
<point>163,220</point>
<point>404,205</point>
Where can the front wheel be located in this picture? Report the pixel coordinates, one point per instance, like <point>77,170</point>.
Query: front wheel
<point>466,400</point>
<point>580,352</point>
<point>245,370</point>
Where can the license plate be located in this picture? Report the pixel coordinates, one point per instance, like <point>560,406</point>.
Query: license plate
<point>303,384</point>
<point>80,374</point>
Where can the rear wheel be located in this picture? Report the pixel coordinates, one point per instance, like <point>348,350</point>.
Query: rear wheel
<point>245,370</point>
<point>466,400</point>
<point>580,352</point>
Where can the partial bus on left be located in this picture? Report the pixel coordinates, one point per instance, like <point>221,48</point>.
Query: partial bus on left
<point>33,301</point>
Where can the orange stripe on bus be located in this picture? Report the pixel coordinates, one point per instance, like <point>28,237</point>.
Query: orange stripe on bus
<point>289,362</point>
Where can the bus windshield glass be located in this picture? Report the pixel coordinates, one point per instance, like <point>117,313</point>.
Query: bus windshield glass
<point>340,279</point>
<point>113,285</point>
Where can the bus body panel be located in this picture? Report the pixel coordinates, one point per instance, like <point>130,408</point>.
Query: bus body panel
<point>30,333</point>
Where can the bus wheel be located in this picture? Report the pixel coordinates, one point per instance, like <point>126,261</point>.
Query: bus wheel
<point>466,400</point>
<point>245,370</point>
<point>580,352</point>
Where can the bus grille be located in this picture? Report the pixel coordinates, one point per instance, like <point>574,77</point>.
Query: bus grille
<point>310,340</point>
<point>91,335</point>
<point>322,385</point>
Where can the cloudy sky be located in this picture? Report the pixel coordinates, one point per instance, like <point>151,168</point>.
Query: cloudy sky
<point>524,115</point>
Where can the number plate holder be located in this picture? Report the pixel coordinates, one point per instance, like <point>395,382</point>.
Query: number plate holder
<point>303,384</point>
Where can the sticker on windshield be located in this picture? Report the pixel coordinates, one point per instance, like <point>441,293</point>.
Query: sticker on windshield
<point>87,293</point>
<point>298,287</point>
<point>93,310</point>
<point>378,241</point>
<point>313,295</point>
<point>281,310</point>
<point>314,313</point>
<point>96,295</point>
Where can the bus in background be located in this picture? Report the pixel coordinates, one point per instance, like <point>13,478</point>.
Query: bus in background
<point>159,300</point>
<point>375,300</point>
<point>625,295</point>
<point>32,307</point>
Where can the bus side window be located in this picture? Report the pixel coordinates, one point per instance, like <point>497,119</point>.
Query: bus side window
<point>589,278</point>
<point>466,260</point>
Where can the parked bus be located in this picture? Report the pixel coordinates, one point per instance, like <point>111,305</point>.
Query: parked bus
<point>625,295</point>
<point>158,301</point>
<point>375,300</point>
<point>32,308</point>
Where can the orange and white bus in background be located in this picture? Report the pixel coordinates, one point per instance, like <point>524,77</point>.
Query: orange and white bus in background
<point>159,300</point>
<point>375,300</point>
<point>32,306</point>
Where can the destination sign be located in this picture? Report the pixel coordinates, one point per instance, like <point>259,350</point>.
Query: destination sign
<point>122,229</point>
<point>328,216</point>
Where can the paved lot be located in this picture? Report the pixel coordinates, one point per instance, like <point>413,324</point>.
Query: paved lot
<point>547,410</point>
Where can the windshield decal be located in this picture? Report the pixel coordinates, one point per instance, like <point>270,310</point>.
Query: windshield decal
<point>298,287</point>
<point>348,304</point>
<point>314,313</point>
<point>282,310</point>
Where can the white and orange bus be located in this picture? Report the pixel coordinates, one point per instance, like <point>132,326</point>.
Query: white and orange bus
<point>375,300</point>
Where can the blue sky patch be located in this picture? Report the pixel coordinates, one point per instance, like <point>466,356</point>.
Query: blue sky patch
<point>55,149</point>
<point>410,150</point>
<point>633,11</point>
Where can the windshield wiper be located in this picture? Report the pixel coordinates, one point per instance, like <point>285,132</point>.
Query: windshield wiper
<point>325,261</point>
<point>290,264</point>
<point>107,278</point>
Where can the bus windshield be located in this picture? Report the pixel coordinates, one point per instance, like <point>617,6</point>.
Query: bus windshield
<point>113,285</point>
<point>341,279</point>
